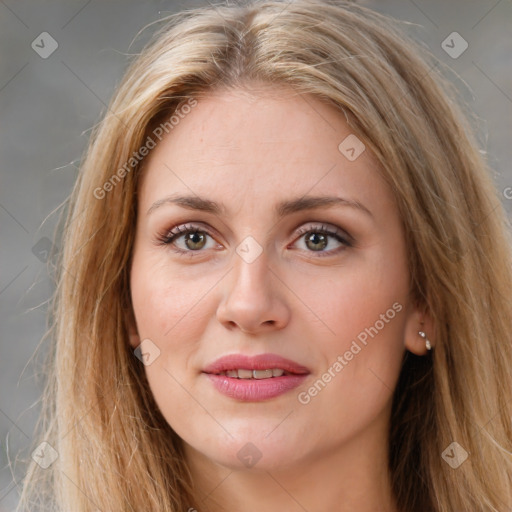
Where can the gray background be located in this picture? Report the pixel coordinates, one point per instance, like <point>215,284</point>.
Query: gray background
<point>48,106</point>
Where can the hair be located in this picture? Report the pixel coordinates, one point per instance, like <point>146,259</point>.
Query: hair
<point>116,451</point>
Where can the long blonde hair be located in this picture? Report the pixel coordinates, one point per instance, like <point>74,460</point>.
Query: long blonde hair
<point>116,452</point>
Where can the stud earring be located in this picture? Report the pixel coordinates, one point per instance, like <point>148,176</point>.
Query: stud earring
<point>428,345</point>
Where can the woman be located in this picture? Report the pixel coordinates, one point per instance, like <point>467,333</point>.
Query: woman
<point>285,281</point>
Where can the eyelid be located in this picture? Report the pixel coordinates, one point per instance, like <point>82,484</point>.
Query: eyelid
<point>327,228</point>
<point>185,228</point>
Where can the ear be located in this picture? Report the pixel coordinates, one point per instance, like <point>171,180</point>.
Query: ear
<point>418,319</point>
<point>133,333</point>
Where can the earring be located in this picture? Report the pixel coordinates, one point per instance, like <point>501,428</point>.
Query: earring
<point>428,345</point>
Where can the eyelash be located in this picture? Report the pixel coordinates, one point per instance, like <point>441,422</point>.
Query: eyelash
<point>168,237</point>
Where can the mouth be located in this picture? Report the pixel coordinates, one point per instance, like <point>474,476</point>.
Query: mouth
<point>256,378</point>
<point>243,373</point>
<point>262,366</point>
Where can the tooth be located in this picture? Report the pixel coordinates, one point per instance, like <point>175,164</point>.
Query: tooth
<point>232,373</point>
<point>245,374</point>
<point>262,374</point>
<point>277,372</point>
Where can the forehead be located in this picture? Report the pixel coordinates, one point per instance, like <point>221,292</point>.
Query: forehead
<point>266,143</point>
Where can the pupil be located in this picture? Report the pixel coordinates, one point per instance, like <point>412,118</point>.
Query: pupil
<point>195,238</point>
<point>316,239</point>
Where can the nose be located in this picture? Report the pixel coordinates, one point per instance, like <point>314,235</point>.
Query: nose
<point>254,298</point>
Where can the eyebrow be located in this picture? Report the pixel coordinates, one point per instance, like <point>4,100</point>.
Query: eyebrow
<point>280,210</point>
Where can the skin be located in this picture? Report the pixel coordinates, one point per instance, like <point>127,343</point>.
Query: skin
<point>250,149</point>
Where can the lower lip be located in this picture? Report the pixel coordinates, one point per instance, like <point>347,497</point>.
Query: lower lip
<point>255,390</point>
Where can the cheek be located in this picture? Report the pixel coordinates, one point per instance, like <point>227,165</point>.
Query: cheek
<point>364,310</point>
<point>170,310</point>
<point>167,312</point>
<point>351,298</point>
<point>164,301</point>
<point>361,363</point>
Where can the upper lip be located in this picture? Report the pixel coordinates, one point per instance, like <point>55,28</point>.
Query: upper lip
<point>258,362</point>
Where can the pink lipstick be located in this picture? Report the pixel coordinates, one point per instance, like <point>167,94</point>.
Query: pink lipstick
<point>255,378</point>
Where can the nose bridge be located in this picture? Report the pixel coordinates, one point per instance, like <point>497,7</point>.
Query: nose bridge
<point>252,299</point>
<point>250,281</point>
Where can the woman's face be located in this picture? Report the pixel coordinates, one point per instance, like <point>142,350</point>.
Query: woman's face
<point>268,274</point>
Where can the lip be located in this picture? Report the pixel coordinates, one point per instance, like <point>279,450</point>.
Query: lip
<point>258,362</point>
<point>255,390</point>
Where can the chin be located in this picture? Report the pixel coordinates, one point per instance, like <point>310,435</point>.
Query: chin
<point>259,454</point>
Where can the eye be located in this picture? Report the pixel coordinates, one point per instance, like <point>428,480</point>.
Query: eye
<point>319,237</point>
<point>190,238</point>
